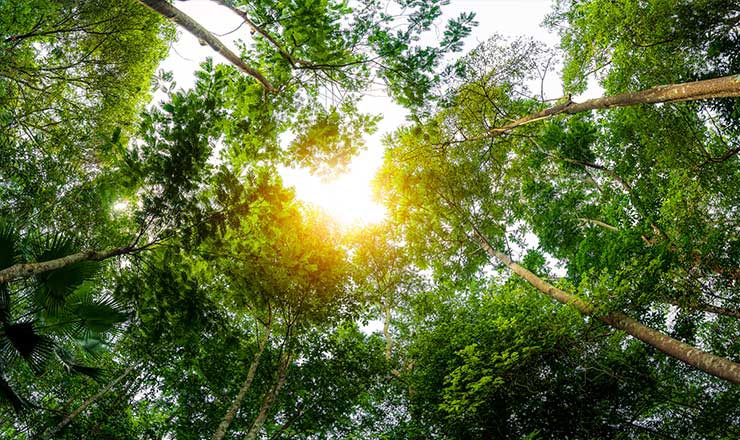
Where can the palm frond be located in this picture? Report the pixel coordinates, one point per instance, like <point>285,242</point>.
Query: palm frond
<point>99,315</point>
<point>9,244</point>
<point>22,339</point>
<point>55,286</point>
<point>93,346</point>
<point>73,366</point>
<point>5,315</point>
<point>8,395</point>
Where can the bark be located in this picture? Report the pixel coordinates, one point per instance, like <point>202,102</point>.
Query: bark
<point>724,87</point>
<point>707,362</point>
<point>68,419</point>
<point>165,9</point>
<point>25,270</point>
<point>236,403</point>
<point>270,398</point>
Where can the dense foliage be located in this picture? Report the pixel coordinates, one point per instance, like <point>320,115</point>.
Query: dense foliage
<point>545,271</point>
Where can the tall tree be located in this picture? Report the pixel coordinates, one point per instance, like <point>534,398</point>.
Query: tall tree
<point>466,192</point>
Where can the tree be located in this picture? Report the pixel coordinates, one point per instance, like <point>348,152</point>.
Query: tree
<point>290,275</point>
<point>74,75</point>
<point>468,193</point>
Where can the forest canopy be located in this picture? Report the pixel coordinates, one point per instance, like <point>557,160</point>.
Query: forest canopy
<point>547,269</point>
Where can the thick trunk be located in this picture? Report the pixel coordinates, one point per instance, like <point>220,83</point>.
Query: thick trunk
<point>707,362</point>
<point>165,9</point>
<point>236,403</point>
<point>25,270</point>
<point>68,419</point>
<point>724,87</point>
<point>270,398</point>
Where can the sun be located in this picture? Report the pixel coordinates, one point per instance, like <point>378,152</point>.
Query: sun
<point>348,198</point>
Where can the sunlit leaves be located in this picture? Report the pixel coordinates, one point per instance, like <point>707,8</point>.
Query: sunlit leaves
<point>327,141</point>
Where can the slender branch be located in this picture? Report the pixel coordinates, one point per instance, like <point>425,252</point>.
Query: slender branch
<point>387,332</point>
<point>598,223</point>
<point>68,419</point>
<point>269,399</point>
<point>703,307</point>
<point>165,9</point>
<point>236,403</point>
<point>293,61</point>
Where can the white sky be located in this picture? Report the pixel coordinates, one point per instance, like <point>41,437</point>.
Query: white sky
<point>348,198</point>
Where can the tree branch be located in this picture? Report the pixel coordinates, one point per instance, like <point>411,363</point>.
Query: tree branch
<point>711,364</point>
<point>165,9</point>
<point>723,87</point>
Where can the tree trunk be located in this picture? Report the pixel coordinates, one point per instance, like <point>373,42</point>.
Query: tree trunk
<point>164,8</point>
<point>387,332</point>
<point>707,362</point>
<point>724,87</point>
<point>270,398</point>
<point>68,419</point>
<point>236,403</point>
<point>25,270</point>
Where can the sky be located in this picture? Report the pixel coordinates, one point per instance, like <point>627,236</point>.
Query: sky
<point>348,197</point>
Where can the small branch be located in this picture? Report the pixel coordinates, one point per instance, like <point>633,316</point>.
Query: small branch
<point>293,61</point>
<point>703,307</point>
<point>170,12</point>
<point>598,223</point>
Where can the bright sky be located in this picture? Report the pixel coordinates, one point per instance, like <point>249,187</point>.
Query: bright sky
<point>348,198</point>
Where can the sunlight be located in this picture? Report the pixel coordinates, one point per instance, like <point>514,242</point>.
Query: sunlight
<point>120,205</point>
<point>348,198</point>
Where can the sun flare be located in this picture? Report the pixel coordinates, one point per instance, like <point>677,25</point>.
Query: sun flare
<point>348,198</point>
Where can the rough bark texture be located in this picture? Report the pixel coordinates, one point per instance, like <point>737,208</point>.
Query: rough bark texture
<point>724,87</point>
<point>707,362</point>
<point>236,403</point>
<point>26,270</point>
<point>270,398</point>
<point>68,419</point>
<point>165,9</point>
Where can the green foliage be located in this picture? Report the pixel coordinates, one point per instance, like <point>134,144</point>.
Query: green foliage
<point>631,44</point>
<point>73,73</point>
<point>59,316</point>
<point>632,209</point>
<point>621,200</point>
